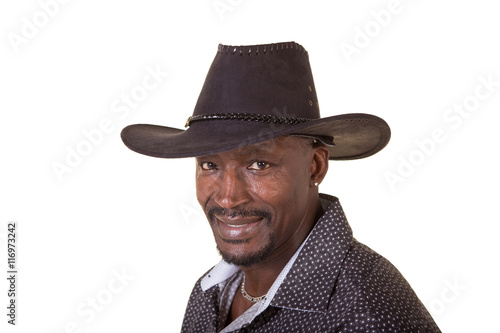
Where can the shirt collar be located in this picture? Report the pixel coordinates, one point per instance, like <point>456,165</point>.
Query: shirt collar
<point>221,272</point>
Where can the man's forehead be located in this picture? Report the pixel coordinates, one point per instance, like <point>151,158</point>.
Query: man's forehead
<point>275,145</point>
<point>265,146</point>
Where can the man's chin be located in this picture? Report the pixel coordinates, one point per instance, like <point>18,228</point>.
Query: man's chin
<point>248,259</point>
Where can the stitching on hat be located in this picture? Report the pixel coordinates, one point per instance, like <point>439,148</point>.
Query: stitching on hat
<point>263,118</point>
<point>275,47</point>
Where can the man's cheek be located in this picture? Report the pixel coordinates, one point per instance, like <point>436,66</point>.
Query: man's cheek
<point>201,193</point>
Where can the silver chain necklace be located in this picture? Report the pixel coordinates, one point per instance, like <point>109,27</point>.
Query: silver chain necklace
<point>247,296</point>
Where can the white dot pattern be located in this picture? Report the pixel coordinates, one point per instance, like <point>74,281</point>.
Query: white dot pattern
<point>335,285</point>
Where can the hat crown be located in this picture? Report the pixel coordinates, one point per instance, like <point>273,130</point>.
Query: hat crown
<point>253,94</point>
<point>266,79</point>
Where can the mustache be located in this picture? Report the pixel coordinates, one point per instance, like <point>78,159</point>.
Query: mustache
<point>232,213</point>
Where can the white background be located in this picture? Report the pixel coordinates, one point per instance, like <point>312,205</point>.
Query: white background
<point>119,212</point>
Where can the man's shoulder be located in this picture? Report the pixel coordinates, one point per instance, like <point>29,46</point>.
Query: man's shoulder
<point>373,289</point>
<point>361,259</point>
<point>364,268</point>
<point>200,309</point>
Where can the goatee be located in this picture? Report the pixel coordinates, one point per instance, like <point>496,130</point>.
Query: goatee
<point>247,259</point>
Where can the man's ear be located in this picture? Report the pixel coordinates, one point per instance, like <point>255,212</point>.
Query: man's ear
<point>319,164</point>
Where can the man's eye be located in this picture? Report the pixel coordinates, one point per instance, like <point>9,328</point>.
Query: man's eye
<point>259,165</point>
<point>208,166</point>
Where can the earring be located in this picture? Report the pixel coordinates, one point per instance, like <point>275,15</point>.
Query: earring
<point>316,184</point>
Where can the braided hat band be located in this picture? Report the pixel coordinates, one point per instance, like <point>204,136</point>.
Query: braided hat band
<point>263,118</point>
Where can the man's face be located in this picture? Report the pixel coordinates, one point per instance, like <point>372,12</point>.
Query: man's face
<point>258,198</point>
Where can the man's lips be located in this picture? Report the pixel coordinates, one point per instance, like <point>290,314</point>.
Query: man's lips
<point>237,221</point>
<point>237,227</point>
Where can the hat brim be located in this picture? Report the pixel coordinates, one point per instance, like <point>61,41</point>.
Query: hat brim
<point>355,136</point>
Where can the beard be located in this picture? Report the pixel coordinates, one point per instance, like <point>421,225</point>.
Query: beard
<point>249,259</point>
<point>246,259</point>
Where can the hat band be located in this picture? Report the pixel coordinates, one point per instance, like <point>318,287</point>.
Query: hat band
<point>263,118</point>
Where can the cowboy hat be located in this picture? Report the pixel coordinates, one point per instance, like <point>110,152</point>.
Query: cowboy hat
<point>255,93</point>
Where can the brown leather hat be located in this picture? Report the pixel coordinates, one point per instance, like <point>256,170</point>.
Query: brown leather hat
<point>256,93</point>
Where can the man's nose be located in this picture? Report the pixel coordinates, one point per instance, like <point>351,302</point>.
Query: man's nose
<point>232,190</point>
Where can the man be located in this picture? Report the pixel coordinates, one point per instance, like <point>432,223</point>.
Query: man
<point>290,263</point>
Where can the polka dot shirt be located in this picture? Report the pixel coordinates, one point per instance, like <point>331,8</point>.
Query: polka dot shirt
<point>334,284</point>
